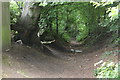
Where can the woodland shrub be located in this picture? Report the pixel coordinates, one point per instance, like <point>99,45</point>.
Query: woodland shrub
<point>108,70</point>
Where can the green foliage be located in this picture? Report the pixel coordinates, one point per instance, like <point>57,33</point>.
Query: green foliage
<point>79,20</point>
<point>107,70</point>
<point>14,12</point>
<point>70,19</point>
<point>66,37</point>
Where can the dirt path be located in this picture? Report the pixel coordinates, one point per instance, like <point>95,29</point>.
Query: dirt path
<point>22,61</point>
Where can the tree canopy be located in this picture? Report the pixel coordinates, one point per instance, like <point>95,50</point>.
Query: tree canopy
<point>81,21</point>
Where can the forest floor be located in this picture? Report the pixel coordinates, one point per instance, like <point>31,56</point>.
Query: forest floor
<point>25,62</point>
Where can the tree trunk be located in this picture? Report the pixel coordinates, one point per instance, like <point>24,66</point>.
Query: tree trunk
<point>4,25</point>
<point>50,26</point>
<point>27,26</point>
<point>67,21</point>
<point>56,21</point>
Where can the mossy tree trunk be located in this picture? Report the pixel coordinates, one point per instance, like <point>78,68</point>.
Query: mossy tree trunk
<point>5,25</point>
<point>27,26</point>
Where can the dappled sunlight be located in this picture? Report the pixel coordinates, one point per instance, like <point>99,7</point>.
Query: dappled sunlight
<point>61,40</point>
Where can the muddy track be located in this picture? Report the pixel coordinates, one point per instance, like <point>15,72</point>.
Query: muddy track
<point>22,61</point>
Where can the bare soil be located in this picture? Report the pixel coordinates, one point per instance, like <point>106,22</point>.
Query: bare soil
<point>22,61</point>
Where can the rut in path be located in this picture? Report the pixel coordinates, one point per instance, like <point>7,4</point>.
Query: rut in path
<point>58,54</point>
